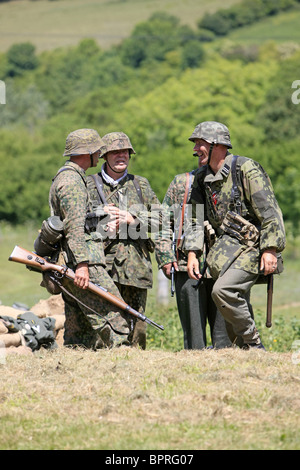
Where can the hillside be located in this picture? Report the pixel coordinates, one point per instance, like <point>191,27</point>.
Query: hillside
<point>49,25</point>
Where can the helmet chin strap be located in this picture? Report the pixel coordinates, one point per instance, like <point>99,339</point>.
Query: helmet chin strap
<point>115,171</point>
<point>210,152</point>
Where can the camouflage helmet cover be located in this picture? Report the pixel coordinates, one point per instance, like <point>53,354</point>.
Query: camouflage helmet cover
<point>83,141</point>
<point>212,132</point>
<point>116,141</point>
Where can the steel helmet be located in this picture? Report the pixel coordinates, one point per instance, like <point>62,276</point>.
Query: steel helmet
<point>116,141</point>
<point>83,141</point>
<point>212,132</point>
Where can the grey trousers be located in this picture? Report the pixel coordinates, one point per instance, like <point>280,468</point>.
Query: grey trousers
<point>231,294</point>
<point>196,308</point>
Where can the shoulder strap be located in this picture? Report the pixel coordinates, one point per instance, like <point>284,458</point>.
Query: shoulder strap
<point>63,169</point>
<point>235,195</point>
<point>66,168</point>
<point>137,187</point>
<point>99,186</point>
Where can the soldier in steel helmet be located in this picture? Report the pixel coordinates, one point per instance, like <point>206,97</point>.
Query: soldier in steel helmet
<point>132,211</point>
<point>240,204</point>
<point>83,251</point>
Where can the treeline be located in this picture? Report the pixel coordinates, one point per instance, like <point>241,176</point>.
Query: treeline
<point>155,87</point>
<point>245,13</point>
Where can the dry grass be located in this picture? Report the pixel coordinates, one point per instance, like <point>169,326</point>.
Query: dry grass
<point>132,399</point>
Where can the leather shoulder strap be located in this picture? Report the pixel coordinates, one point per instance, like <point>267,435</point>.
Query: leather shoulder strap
<point>99,186</point>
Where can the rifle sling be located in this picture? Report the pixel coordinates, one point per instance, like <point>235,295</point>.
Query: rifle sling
<point>56,281</point>
<point>187,188</point>
<point>235,192</point>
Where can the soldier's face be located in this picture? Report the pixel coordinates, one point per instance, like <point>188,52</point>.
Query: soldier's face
<point>118,160</point>
<point>202,149</point>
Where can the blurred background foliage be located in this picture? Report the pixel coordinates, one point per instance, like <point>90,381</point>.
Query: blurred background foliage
<point>155,85</point>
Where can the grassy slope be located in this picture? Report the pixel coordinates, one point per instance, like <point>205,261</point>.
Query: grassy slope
<point>279,28</point>
<point>56,24</point>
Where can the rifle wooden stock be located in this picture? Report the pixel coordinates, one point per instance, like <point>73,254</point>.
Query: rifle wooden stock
<point>269,300</point>
<point>36,262</point>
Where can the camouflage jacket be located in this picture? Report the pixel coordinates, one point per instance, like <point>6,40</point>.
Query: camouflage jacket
<point>172,249</point>
<point>258,205</point>
<point>69,200</point>
<point>127,256</point>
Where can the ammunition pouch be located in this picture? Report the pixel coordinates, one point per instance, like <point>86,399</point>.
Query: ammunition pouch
<point>209,233</point>
<point>49,283</point>
<point>236,226</point>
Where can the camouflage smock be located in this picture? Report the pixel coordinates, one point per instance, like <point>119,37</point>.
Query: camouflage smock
<point>258,205</point>
<point>128,260</point>
<point>69,200</point>
<point>172,205</point>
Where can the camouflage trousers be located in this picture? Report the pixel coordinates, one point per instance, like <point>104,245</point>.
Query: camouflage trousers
<point>110,328</point>
<point>231,294</point>
<point>136,298</point>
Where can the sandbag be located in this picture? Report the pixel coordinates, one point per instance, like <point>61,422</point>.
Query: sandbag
<point>9,311</point>
<point>54,305</point>
<point>11,339</point>
<point>59,321</point>
<point>3,328</point>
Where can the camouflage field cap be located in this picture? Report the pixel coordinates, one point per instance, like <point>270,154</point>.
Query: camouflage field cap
<point>212,132</point>
<point>116,141</point>
<point>83,141</point>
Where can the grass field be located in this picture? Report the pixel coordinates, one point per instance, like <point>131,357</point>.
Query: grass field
<point>138,400</point>
<point>163,398</point>
<point>17,284</point>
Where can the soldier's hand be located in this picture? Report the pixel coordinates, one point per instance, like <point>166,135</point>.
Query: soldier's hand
<point>268,262</point>
<point>167,269</point>
<point>126,218</point>
<point>193,266</point>
<point>82,276</point>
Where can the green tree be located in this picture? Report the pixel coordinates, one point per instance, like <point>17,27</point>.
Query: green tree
<point>192,54</point>
<point>21,58</point>
<point>280,116</point>
<point>152,39</point>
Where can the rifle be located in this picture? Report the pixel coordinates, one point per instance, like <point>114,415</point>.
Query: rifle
<point>39,264</point>
<point>269,300</point>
